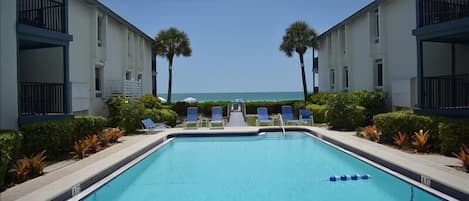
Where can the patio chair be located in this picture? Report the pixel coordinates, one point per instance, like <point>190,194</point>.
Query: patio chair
<point>287,115</point>
<point>192,117</point>
<point>217,117</point>
<point>306,117</point>
<point>151,127</point>
<point>263,116</point>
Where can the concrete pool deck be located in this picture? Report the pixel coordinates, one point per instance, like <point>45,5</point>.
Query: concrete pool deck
<point>61,177</point>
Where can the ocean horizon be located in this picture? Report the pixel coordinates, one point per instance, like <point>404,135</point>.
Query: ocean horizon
<point>229,96</point>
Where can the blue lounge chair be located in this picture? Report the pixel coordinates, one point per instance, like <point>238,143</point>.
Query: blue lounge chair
<point>217,117</point>
<point>287,115</point>
<point>263,116</point>
<point>306,117</point>
<point>192,117</point>
<point>151,127</point>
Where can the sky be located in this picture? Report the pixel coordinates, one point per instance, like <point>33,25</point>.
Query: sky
<point>235,43</point>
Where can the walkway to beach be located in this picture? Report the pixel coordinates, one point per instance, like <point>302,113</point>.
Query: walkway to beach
<point>237,120</point>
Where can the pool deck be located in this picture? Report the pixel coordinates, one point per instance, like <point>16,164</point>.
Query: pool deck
<point>61,177</point>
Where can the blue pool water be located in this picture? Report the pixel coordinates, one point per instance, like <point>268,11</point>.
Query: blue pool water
<point>270,167</point>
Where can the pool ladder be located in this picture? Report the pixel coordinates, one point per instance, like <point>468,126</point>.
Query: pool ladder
<point>282,125</point>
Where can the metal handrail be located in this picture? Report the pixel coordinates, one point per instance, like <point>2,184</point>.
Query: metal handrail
<point>282,125</point>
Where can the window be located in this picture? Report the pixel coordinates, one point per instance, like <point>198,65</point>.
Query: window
<point>129,44</point>
<point>98,81</point>
<point>346,78</point>
<point>100,30</point>
<point>332,74</point>
<point>128,75</point>
<point>377,25</point>
<point>139,77</point>
<point>379,74</point>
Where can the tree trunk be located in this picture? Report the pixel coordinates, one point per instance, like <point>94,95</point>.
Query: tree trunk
<point>303,76</point>
<point>170,80</point>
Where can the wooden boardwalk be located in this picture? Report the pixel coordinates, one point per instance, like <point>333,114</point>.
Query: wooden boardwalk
<point>237,120</point>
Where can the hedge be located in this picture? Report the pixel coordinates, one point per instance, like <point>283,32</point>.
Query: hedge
<point>373,102</point>
<point>10,144</point>
<point>321,98</point>
<point>273,107</point>
<point>127,114</point>
<point>113,106</point>
<point>169,117</point>
<point>205,108</point>
<point>150,101</point>
<point>343,113</point>
<point>319,112</point>
<point>452,133</point>
<point>404,121</point>
<point>57,137</point>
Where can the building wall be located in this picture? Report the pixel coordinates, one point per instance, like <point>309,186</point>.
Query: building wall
<point>8,65</point>
<point>399,51</point>
<point>359,53</point>
<point>42,65</point>
<point>147,74</point>
<point>119,49</point>
<point>80,54</point>
<point>354,44</point>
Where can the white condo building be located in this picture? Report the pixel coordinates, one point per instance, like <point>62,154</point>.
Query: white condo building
<point>373,49</point>
<point>415,50</point>
<point>65,57</point>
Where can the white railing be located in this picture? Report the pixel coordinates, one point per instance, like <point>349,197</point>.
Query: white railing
<point>282,125</point>
<point>126,88</point>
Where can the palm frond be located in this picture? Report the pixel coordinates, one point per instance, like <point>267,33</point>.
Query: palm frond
<point>298,38</point>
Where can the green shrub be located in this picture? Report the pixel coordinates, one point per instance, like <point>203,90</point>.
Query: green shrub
<point>321,98</point>
<point>318,112</point>
<point>405,121</point>
<point>113,105</point>
<point>150,101</point>
<point>343,113</point>
<point>181,107</point>
<point>205,108</point>
<point>374,102</point>
<point>57,137</point>
<point>10,144</point>
<point>452,134</point>
<point>131,116</point>
<point>167,116</point>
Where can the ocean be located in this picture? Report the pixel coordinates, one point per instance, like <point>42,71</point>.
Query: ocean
<point>246,96</point>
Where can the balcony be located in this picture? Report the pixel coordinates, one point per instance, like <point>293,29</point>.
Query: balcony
<point>446,92</point>
<point>439,11</point>
<point>41,98</point>
<point>126,88</point>
<point>45,14</point>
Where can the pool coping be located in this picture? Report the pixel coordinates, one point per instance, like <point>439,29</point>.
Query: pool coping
<point>69,191</point>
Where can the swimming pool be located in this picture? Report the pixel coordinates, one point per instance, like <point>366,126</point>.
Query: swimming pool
<point>267,167</point>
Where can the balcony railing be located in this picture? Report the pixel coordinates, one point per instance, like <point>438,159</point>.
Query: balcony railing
<point>46,14</point>
<point>126,88</point>
<point>41,98</point>
<point>438,11</point>
<point>446,92</point>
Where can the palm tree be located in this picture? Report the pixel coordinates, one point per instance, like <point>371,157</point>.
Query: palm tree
<point>170,43</point>
<point>298,38</point>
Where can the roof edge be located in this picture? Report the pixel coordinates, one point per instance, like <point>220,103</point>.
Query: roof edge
<point>357,13</point>
<point>119,18</point>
